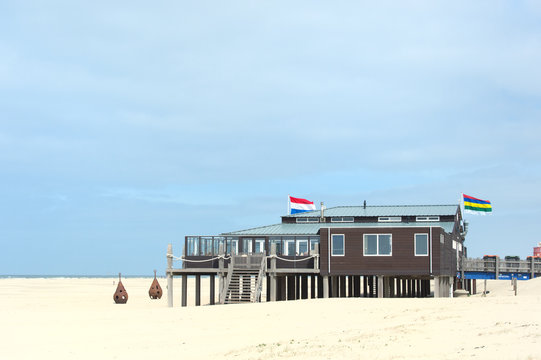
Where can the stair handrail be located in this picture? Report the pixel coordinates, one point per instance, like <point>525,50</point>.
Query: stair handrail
<point>225,289</point>
<point>259,283</point>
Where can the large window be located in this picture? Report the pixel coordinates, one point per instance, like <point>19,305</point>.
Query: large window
<point>302,246</point>
<point>338,245</point>
<point>193,246</point>
<point>278,242</point>
<point>232,245</point>
<point>217,242</point>
<point>206,246</point>
<point>421,244</point>
<point>289,246</point>
<point>247,245</point>
<point>313,241</point>
<point>378,245</point>
<point>259,246</point>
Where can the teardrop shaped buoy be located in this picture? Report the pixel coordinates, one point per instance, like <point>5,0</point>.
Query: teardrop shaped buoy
<point>155,291</point>
<point>120,296</point>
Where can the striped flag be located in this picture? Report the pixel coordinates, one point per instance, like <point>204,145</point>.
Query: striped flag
<point>476,206</point>
<point>297,205</point>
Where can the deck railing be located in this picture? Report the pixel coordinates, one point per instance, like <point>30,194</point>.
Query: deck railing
<point>501,266</point>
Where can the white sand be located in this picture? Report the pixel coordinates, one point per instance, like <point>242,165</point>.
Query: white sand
<point>77,319</point>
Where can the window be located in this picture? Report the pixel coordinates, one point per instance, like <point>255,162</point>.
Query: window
<point>206,246</point>
<point>259,246</point>
<point>308,220</point>
<point>193,246</point>
<point>389,219</point>
<point>378,245</point>
<point>313,242</point>
<point>421,244</point>
<point>342,219</point>
<point>232,245</point>
<point>427,218</point>
<point>337,245</point>
<point>247,246</point>
<point>302,246</point>
<point>278,242</point>
<point>289,246</point>
<point>217,242</point>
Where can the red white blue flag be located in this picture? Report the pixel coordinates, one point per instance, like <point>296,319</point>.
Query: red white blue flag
<point>297,205</point>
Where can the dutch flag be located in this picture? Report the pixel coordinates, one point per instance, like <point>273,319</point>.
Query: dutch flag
<point>297,205</point>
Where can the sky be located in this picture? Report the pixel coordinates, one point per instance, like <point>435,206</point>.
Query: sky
<point>125,126</point>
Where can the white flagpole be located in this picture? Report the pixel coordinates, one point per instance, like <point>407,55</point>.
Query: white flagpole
<point>289,204</point>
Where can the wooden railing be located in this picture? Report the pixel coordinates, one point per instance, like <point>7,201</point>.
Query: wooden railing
<point>496,265</point>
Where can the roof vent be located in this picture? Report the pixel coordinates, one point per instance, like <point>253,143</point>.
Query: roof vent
<point>322,219</point>
<point>364,205</point>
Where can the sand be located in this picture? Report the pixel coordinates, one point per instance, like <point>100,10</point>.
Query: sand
<point>77,319</point>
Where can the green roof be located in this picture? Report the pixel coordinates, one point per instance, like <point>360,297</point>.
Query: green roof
<point>384,210</point>
<point>313,229</point>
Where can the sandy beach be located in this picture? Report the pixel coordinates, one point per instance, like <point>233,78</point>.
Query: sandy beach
<point>70,318</point>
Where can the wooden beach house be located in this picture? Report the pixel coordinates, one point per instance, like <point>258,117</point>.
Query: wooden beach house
<point>344,251</point>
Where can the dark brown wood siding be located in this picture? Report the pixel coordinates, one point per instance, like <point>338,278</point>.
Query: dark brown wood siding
<point>402,262</point>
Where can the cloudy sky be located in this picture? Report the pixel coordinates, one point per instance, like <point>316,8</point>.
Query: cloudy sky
<point>125,126</point>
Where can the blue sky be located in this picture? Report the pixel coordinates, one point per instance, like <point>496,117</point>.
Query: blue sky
<point>126,126</point>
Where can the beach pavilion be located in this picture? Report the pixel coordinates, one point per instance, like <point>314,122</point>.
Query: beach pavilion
<point>344,251</point>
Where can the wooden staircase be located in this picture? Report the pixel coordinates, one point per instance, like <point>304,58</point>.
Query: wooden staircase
<point>244,281</point>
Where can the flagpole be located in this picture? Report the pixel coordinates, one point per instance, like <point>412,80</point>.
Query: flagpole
<point>289,204</point>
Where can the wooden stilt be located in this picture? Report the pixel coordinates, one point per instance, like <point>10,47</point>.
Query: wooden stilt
<point>291,287</point>
<point>212,289</point>
<point>273,278</point>
<point>184,291</point>
<point>304,286</point>
<point>365,286</point>
<point>342,282</point>
<point>380,286</point>
<point>335,286</point>
<point>197,290</point>
<point>356,286</point>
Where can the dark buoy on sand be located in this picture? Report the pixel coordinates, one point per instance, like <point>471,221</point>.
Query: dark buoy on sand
<point>120,296</point>
<point>155,291</point>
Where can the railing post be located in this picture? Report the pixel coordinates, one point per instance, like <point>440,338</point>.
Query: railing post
<point>184,257</point>
<point>221,272</point>
<point>169,273</point>
<point>273,273</point>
